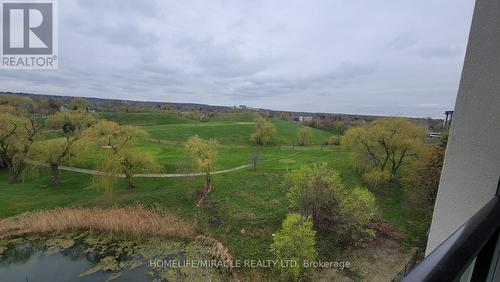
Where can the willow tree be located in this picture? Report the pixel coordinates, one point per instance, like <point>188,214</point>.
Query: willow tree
<point>203,154</point>
<point>128,162</point>
<point>264,131</point>
<point>120,157</point>
<point>71,125</point>
<point>18,129</point>
<point>385,144</point>
<point>303,136</point>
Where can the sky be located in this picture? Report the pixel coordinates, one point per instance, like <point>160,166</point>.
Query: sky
<point>385,57</point>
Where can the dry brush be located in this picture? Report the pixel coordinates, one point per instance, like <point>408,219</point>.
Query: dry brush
<point>136,221</point>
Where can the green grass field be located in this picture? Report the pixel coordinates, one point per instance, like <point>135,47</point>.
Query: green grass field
<point>146,118</point>
<point>245,207</point>
<point>230,132</point>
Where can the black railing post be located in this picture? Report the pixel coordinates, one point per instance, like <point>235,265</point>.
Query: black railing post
<point>485,260</point>
<point>476,239</point>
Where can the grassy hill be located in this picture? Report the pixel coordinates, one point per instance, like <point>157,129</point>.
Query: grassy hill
<point>232,133</point>
<point>233,117</point>
<point>144,118</point>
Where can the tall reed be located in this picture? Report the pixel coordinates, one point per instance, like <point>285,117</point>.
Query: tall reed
<point>136,221</point>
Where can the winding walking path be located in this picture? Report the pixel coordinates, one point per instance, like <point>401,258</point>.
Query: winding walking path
<point>145,175</point>
<point>152,175</point>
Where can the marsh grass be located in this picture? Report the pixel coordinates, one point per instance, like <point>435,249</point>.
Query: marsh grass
<point>219,252</point>
<point>135,221</point>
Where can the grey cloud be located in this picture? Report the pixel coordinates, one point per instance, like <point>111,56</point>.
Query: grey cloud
<point>222,60</point>
<point>430,52</point>
<point>337,56</point>
<point>404,41</point>
<point>343,74</point>
<point>127,7</point>
<point>350,70</point>
<point>122,35</point>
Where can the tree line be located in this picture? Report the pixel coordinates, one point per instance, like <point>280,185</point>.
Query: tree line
<point>28,140</point>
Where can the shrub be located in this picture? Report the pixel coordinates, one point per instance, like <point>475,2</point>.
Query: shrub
<point>358,209</point>
<point>336,211</point>
<point>334,140</point>
<point>314,192</point>
<point>376,178</point>
<point>295,241</point>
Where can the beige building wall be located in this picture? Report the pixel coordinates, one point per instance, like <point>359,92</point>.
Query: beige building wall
<point>472,163</point>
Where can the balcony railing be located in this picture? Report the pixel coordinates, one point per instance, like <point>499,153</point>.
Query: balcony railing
<point>469,254</point>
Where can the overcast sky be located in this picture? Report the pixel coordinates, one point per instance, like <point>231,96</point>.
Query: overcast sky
<point>386,57</point>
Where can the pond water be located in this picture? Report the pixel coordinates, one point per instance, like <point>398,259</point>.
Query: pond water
<point>89,257</point>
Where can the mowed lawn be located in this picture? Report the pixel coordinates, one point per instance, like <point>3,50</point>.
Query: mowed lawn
<point>232,133</point>
<point>245,207</point>
<point>166,141</point>
<point>145,118</point>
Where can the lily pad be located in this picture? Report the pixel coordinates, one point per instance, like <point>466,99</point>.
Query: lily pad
<point>113,276</point>
<point>106,264</point>
<point>58,244</point>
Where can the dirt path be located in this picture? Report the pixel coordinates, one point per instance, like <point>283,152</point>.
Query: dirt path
<point>380,260</point>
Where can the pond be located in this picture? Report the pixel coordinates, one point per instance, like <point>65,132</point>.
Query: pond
<point>88,257</point>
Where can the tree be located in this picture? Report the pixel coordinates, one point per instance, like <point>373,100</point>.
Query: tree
<point>119,140</point>
<point>358,208</point>
<point>195,115</point>
<point>128,162</point>
<point>296,242</point>
<point>255,158</point>
<point>385,144</point>
<point>425,173</point>
<point>336,211</point>
<point>333,140</point>
<point>18,129</point>
<point>315,192</point>
<point>79,104</point>
<point>22,105</point>
<point>71,125</point>
<point>317,122</point>
<point>303,136</point>
<point>203,155</point>
<point>340,127</point>
<point>264,131</point>
<point>285,116</point>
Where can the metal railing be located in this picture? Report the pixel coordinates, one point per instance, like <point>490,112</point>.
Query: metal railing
<point>472,249</point>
